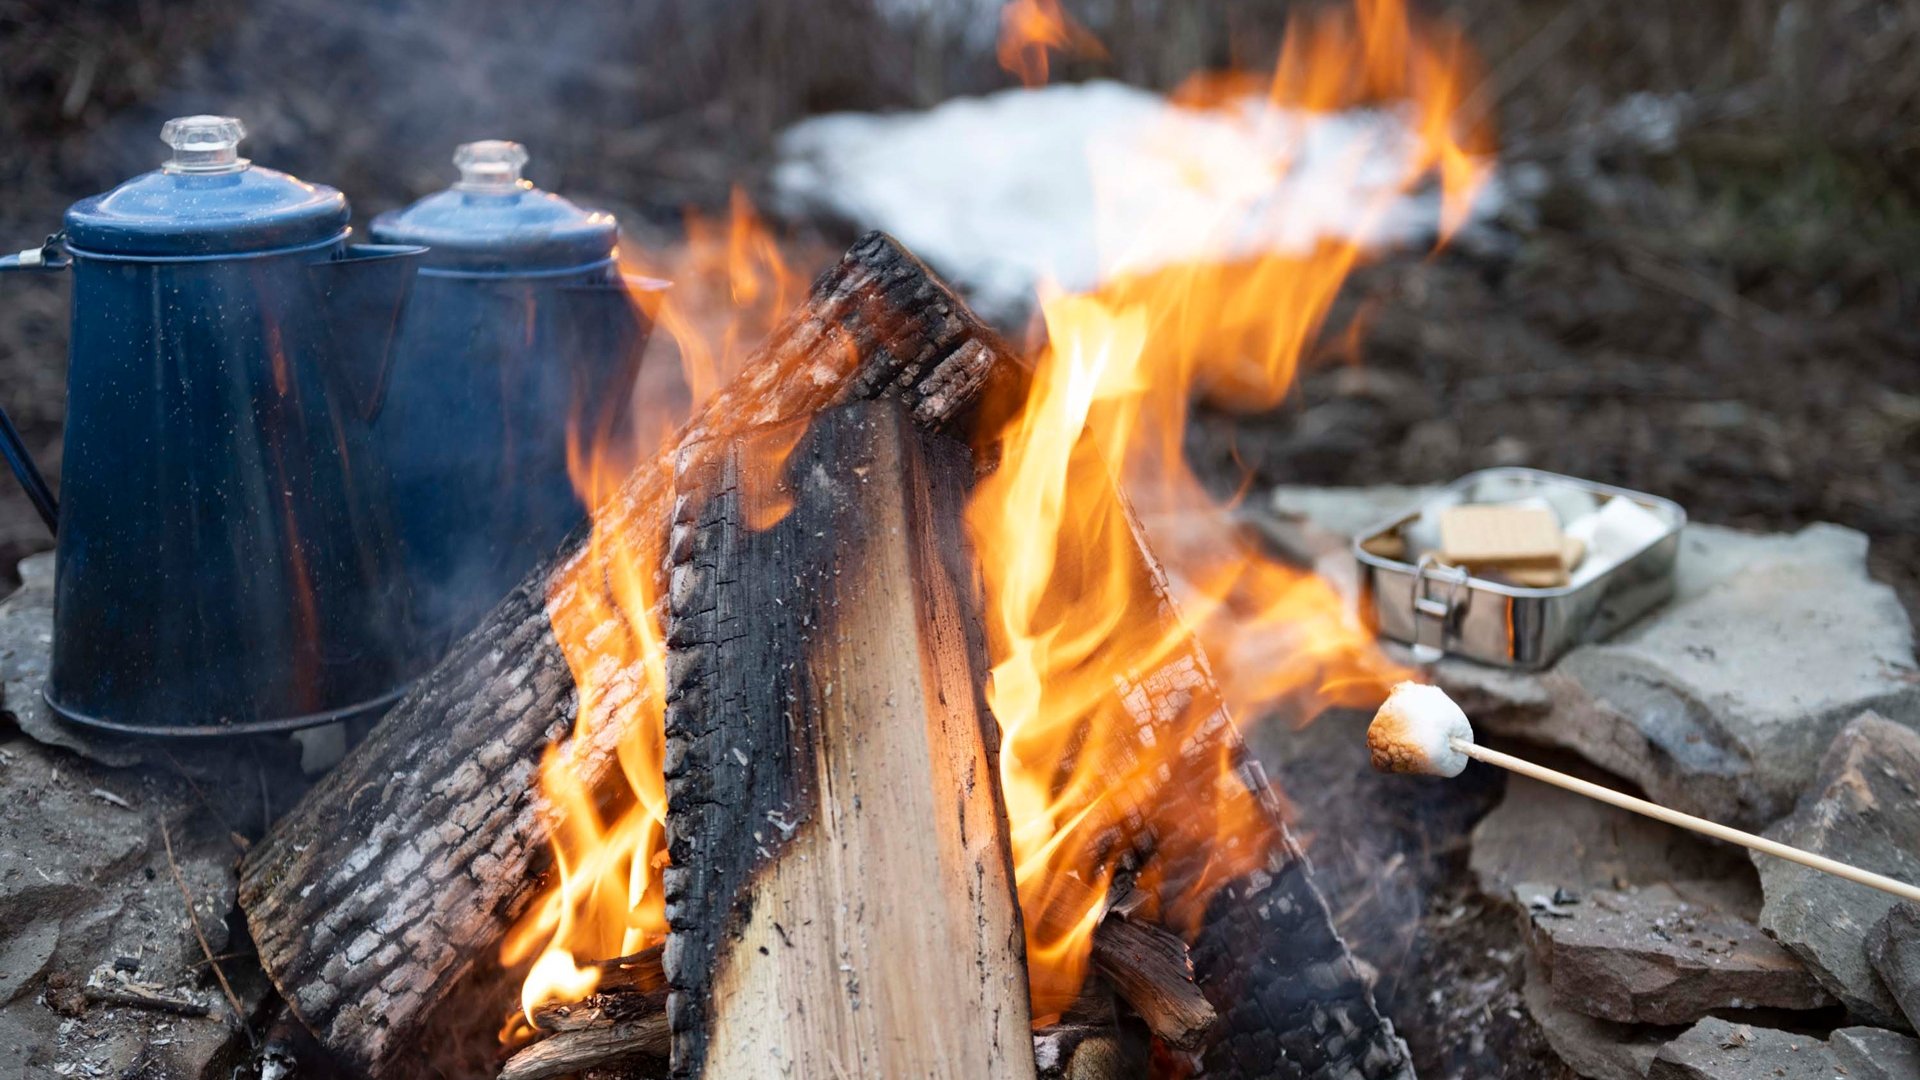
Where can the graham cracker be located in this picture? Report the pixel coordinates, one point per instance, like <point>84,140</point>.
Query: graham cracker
<point>1500,535</point>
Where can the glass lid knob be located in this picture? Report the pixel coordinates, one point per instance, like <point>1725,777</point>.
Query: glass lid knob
<point>492,166</point>
<point>204,144</point>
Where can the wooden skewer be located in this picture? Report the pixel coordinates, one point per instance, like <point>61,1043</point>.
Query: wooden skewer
<point>1687,821</point>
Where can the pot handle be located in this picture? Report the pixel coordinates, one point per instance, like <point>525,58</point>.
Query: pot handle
<point>49,256</point>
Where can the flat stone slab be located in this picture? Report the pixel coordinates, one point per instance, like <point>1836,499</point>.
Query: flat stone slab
<point>1717,1049</point>
<point>1541,833</point>
<point>1647,956</point>
<point>1893,948</point>
<point>1876,1054</point>
<point>1594,1049</point>
<point>1721,701</point>
<point>1864,809</point>
<point>87,891</point>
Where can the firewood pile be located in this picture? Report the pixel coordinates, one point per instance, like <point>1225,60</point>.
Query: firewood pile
<point>840,890</point>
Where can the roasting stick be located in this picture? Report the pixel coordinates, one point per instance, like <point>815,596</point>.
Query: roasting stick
<point>1421,730</point>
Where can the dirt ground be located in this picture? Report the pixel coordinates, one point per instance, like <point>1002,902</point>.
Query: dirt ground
<point>1711,295</point>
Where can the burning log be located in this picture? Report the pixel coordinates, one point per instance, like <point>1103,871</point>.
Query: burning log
<point>418,852</point>
<point>840,884</point>
<point>1150,968</point>
<point>1291,1001</point>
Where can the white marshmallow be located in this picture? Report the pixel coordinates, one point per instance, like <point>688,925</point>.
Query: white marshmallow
<point>1414,732</point>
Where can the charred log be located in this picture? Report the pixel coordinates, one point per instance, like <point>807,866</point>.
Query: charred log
<point>1291,1001</point>
<point>841,884</point>
<point>415,855</point>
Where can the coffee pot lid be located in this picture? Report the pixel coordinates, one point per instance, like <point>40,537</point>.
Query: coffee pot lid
<point>206,200</point>
<point>493,221</point>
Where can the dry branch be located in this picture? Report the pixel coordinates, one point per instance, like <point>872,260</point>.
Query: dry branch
<point>840,900</point>
<point>412,858</point>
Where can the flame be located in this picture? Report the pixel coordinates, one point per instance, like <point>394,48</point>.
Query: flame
<point>1088,643</point>
<point>1031,29</point>
<point>1084,639</point>
<point>608,832</point>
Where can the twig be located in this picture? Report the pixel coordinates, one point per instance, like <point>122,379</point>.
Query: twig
<point>100,995</point>
<point>266,800</point>
<point>193,917</point>
<point>180,771</point>
<point>223,956</point>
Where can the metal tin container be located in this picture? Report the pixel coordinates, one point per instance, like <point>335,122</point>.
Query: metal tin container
<point>521,332</point>
<point>225,563</point>
<point>1442,610</point>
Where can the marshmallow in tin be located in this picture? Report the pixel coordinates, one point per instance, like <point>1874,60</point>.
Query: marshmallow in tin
<point>1414,732</point>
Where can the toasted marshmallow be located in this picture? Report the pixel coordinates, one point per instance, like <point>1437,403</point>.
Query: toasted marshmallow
<point>1414,732</point>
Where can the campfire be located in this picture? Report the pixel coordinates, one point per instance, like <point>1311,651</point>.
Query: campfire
<point>890,634</point>
<point>888,711</point>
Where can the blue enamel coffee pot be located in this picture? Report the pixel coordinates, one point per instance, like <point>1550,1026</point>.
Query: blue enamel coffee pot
<point>226,556</point>
<point>521,335</point>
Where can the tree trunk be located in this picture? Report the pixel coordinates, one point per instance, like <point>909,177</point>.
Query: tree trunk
<point>415,855</point>
<point>840,899</point>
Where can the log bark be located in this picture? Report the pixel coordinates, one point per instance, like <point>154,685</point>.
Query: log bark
<point>415,855</point>
<point>840,900</point>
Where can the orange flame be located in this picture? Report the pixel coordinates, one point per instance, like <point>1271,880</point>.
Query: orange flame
<point>1031,29</point>
<point>609,836</point>
<point>1076,623</point>
<point>1088,643</point>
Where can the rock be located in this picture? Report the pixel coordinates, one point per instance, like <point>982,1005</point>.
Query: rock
<point>1876,1054</point>
<point>1595,1049</point>
<point>1716,1049</point>
<point>84,882</point>
<point>26,651</point>
<point>1722,701</point>
<point>1648,956</point>
<point>1864,810</point>
<point>1315,526</point>
<point>86,889</point>
<point>1541,833</point>
<point>1893,948</point>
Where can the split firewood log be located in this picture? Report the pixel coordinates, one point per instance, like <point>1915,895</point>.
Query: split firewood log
<point>416,854</point>
<point>840,898</point>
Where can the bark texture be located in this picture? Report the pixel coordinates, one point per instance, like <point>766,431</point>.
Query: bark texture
<point>840,899</point>
<point>415,855</point>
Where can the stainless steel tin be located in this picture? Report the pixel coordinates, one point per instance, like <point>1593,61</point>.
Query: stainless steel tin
<point>1442,610</point>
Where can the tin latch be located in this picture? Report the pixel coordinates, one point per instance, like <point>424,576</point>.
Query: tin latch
<point>1440,610</point>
